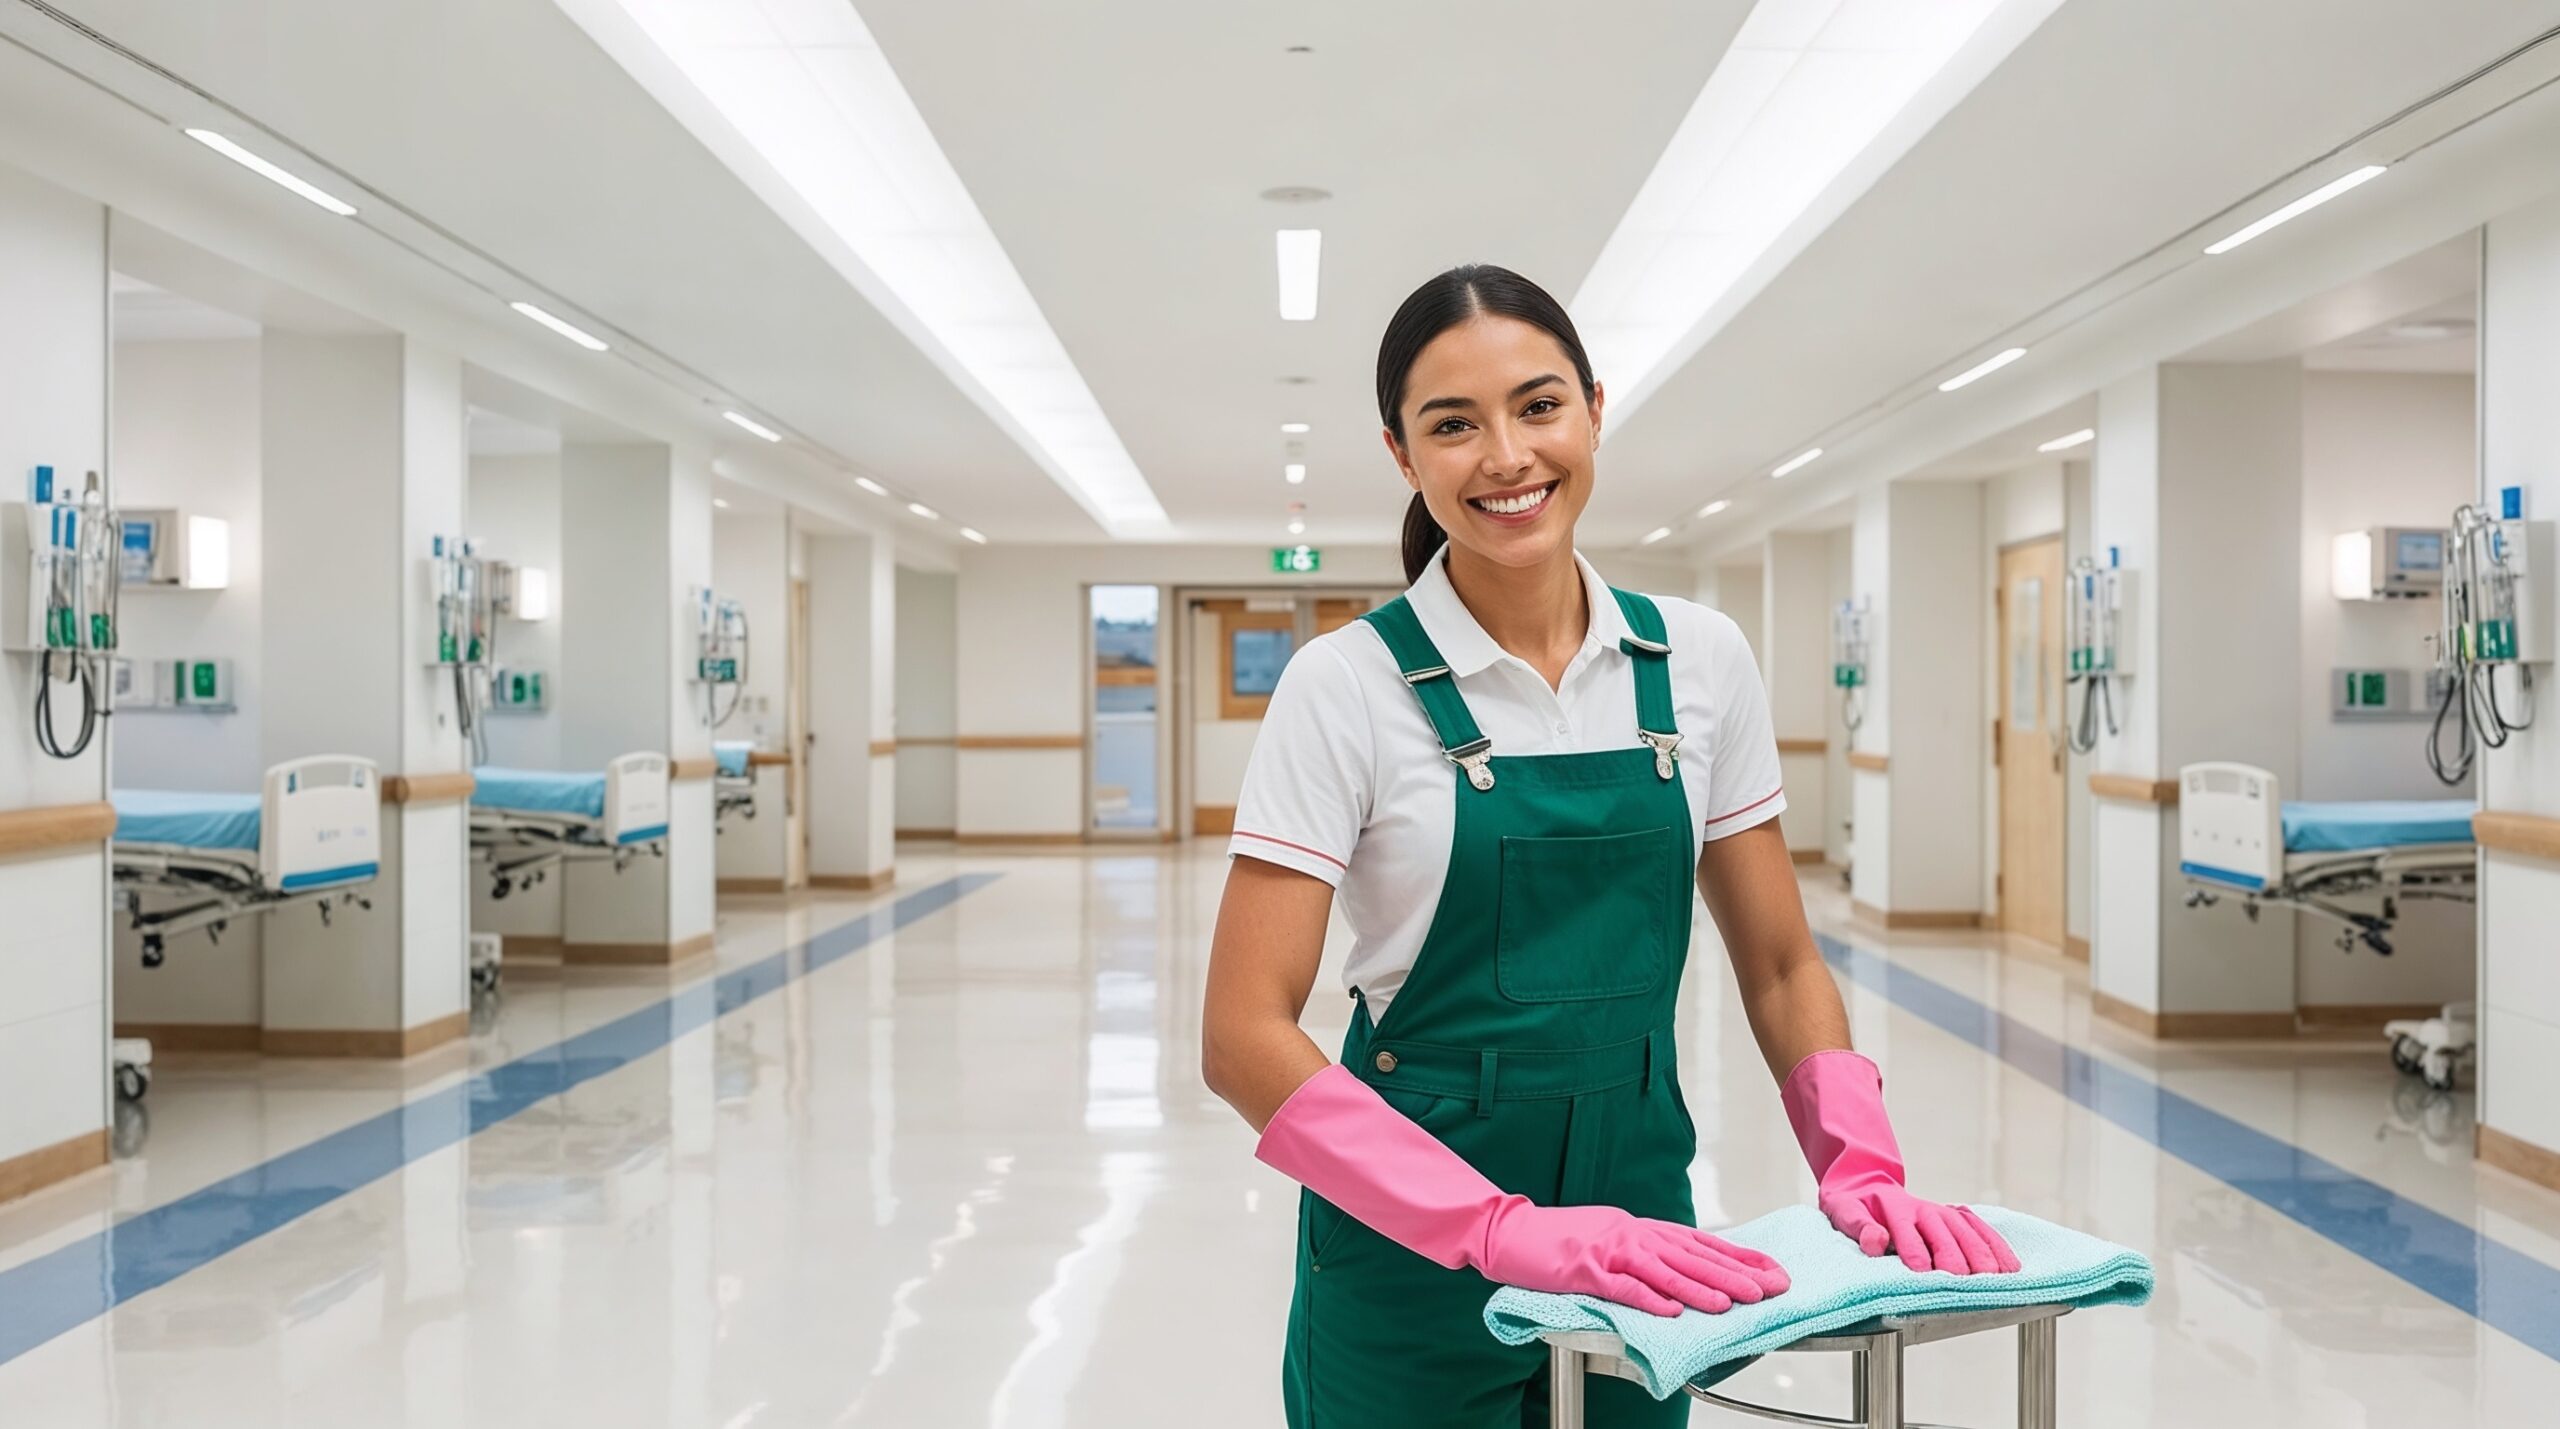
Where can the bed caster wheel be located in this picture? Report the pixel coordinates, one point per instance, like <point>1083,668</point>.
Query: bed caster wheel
<point>501,888</point>
<point>2438,1071</point>
<point>131,1082</point>
<point>2407,1055</point>
<point>485,979</point>
<point>155,951</point>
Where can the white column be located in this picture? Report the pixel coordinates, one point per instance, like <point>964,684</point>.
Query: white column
<point>852,694</point>
<point>53,940</point>
<point>635,543</point>
<point>363,461</point>
<point>2197,487</point>
<point>1795,663</point>
<point>2520,894</point>
<point>751,563</point>
<point>1919,820</point>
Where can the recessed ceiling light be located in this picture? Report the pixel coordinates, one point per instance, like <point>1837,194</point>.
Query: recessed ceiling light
<point>1797,462</point>
<point>867,484</point>
<point>971,533</point>
<point>569,330</point>
<point>1295,428</point>
<point>750,424</point>
<point>1656,534</point>
<point>1296,193</point>
<point>2298,207</point>
<point>1982,369</point>
<point>2064,444</point>
<point>924,511</point>
<point>299,185</point>
<point>1296,472</point>
<point>1713,507</point>
<point>1301,259</point>
<point>720,503</point>
<point>1297,528</point>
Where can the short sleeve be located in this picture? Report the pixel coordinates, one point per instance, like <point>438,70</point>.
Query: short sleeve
<point>1744,786</point>
<point>1308,784</point>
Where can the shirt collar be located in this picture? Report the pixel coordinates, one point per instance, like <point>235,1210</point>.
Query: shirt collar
<point>1464,643</point>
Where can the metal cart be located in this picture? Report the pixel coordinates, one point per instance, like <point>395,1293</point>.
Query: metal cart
<point>1875,1367</point>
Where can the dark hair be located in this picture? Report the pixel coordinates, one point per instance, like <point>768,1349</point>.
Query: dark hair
<point>1463,292</point>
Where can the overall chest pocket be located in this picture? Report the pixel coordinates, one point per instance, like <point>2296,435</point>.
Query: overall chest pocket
<point>1582,919</point>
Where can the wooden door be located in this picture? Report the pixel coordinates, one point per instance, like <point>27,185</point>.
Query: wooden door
<point>796,736</point>
<point>2030,740</point>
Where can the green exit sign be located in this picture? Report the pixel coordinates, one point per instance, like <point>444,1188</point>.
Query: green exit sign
<point>1296,560</point>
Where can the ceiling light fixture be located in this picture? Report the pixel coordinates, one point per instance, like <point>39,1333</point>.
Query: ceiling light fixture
<point>1797,462</point>
<point>1295,429</point>
<point>867,484</point>
<point>1297,527</point>
<point>802,104</point>
<point>971,532</point>
<point>750,424</point>
<point>2064,444</point>
<point>1982,369</point>
<point>1811,102</point>
<point>569,330</point>
<point>1296,472</point>
<point>1301,260</point>
<point>1714,507</point>
<point>299,185</point>
<point>924,511</point>
<point>1656,534</point>
<point>2298,207</point>
<point>719,503</point>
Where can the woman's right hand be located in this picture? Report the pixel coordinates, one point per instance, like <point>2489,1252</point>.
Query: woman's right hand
<point>1658,1267</point>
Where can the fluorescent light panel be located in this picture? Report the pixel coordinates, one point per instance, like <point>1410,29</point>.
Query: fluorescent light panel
<point>749,424</point>
<point>1798,462</point>
<point>569,330</point>
<point>924,511</point>
<point>1656,534</point>
<point>1295,428</point>
<point>1295,472</point>
<point>867,484</point>
<point>271,172</point>
<point>1812,100</point>
<point>798,100</point>
<point>2299,207</point>
<point>971,533</point>
<point>1297,528</point>
<point>1982,369</point>
<point>2064,444</point>
<point>1301,261</point>
<point>1715,507</point>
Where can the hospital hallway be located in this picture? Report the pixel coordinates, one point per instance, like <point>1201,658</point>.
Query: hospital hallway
<point>941,1156</point>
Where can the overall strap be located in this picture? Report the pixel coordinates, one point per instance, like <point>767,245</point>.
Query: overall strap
<point>1428,674</point>
<point>1656,724</point>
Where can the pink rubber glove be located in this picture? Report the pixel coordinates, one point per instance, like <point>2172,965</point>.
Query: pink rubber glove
<point>1835,1101</point>
<point>1337,1137</point>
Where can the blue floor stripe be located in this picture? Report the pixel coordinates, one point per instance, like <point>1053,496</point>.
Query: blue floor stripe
<point>59,1292</point>
<point>2503,1287</point>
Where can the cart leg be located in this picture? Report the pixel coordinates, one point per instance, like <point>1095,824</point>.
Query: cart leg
<point>1880,1380</point>
<point>1564,1388</point>
<point>1857,1386</point>
<point>2037,1347</point>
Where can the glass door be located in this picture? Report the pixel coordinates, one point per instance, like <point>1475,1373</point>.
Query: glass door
<point>1121,783</point>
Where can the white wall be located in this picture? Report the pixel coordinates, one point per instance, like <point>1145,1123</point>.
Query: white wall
<point>512,510</point>
<point>1742,594</point>
<point>927,698</point>
<point>2378,449</point>
<point>2519,896</point>
<point>1871,804</point>
<point>1839,790</point>
<point>1794,648</point>
<point>1939,737</point>
<point>53,941</point>
<point>750,563</point>
<point>186,436</point>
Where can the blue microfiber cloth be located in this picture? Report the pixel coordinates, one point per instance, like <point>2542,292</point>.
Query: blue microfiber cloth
<point>1834,1287</point>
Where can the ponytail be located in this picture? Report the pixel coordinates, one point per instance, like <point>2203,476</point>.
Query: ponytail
<point>1423,539</point>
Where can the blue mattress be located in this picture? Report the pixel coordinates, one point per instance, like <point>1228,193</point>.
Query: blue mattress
<point>2376,823</point>
<point>539,791</point>
<point>732,755</point>
<point>164,816</point>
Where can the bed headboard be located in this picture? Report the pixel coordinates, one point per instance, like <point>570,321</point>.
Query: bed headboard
<point>635,799</point>
<point>2230,825</point>
<point>320,823</point>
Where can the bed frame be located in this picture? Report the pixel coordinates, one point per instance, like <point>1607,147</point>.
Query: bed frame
<point>2231,845</point>
<point>522,846</point>
<point>319,838</point>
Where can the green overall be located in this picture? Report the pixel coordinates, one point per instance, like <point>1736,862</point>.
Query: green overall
<point>1533,1037</point>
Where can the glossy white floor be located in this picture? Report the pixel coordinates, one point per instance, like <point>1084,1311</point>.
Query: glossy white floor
<point>967,1175</point>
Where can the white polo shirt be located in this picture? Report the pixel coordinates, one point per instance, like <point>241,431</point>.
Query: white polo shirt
<point>1347,781</point>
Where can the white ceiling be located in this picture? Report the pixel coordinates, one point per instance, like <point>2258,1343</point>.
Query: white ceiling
<point>1119,153</point>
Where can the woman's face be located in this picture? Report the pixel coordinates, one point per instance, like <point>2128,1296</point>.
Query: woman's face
<point>1493,413</point>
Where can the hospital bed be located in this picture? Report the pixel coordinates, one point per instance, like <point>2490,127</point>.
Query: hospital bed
<point>2349,862</point>
<point>525,822</point>
<point>733,784</point>
<point>187,861</point>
